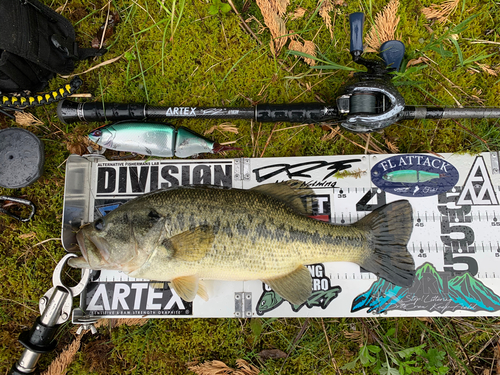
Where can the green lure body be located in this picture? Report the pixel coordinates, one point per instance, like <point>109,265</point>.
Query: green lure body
<point>153,139</point>
<point>410,176</point>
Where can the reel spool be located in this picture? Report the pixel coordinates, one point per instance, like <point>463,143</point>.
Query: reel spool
<point>363,102</point>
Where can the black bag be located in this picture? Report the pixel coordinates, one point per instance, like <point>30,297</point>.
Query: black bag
<point>35,44</point>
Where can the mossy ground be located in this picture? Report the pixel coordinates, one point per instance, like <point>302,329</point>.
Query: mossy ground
<point>204,60</point>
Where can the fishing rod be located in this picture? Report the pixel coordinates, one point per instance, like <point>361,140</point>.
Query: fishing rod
<point>368,104</point>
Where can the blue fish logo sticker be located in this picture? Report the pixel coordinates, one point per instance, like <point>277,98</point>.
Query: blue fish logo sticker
<point>414,175</point>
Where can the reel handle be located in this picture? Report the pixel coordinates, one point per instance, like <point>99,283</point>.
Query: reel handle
<point>392,51</point>
<point>356,21</point>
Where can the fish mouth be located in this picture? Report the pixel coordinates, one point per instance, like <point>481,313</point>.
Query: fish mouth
<point>80,262</point>
<point>81,243</point>
<point>95,254</point>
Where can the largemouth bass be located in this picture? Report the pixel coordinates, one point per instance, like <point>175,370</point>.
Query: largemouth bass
<point>186,234</point>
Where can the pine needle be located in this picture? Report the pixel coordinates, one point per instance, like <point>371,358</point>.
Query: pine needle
<point>220,368</point>
<point>440,12</point>
<point>392,147</point>
<point>26,119</point>
<point>60,365</point>
<point>299,13</point>
<point>280,6</point>
<point>488,69</point>
<point>324,12</point>
<point>384,29</point>
<point>224,127</point>
<point>271,11</point>
<point>112,323</point>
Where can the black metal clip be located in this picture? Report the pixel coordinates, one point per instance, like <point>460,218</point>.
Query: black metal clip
<point>19,201</point>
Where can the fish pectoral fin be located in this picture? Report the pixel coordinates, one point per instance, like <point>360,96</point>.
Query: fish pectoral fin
<point>157,284</point>
<point>191,245</point>
<point>295,287</point>
<point>202,290</point>
<point>186,287</point>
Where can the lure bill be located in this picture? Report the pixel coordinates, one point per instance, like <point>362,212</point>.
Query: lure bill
<point>411,176</point>
<point>154,139</point>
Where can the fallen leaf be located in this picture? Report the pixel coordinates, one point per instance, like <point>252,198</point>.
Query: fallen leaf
<point>78,145</point>
<point>27,235</point>
<point>420,60</point>
<point>107,29</point>
<point>272,354</point>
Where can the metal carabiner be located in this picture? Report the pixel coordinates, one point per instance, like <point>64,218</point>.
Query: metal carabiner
<point>20,201</point>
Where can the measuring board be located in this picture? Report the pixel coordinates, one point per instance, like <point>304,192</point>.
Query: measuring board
<point>455,240</point>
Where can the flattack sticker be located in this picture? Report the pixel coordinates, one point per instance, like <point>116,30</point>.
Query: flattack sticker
<point>323,293</point>
<point>414,175</point>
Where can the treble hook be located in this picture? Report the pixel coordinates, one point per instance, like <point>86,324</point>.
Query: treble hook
<point>20,201</point>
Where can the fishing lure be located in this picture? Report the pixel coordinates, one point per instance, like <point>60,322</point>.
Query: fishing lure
<point>411,176</point>
<point>154,139</point>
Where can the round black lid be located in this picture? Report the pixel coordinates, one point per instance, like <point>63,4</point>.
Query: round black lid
<point>21,158</point>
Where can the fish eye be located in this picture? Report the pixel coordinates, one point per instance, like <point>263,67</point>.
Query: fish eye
<point>99,224</point>
<point>97,133</point>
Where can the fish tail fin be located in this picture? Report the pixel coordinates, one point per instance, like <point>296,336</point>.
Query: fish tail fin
<point>390,228</point>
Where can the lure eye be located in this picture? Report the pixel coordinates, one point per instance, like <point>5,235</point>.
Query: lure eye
<point>97,133</point>
<point>99,224</point>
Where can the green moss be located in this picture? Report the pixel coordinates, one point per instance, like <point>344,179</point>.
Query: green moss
<point>211,61</point>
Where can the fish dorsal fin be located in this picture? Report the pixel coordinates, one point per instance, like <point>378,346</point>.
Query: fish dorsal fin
<point>295,287</point>
<point>186,287</point>
<point>291,193</point>
<point>191,245</point>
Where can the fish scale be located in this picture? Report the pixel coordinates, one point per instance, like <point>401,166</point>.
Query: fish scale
<point>258,248</point>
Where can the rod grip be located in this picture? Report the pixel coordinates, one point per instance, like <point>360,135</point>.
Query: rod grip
<point>357,21</point>
<point>308,113</point>
<point>69,111</point>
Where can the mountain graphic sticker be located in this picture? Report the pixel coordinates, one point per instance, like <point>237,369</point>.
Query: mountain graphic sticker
<point>432,290</point>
